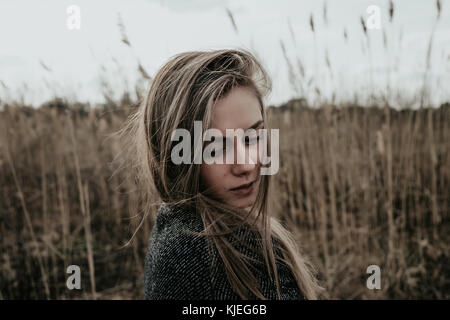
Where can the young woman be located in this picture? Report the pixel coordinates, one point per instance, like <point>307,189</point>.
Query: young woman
<point>214,237</point>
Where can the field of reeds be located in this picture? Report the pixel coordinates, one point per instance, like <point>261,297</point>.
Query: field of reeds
<point>359,185</point>
<point>355,190</point>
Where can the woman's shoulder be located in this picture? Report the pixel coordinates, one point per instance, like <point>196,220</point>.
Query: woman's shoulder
<point>169,217</point>
<point>173,230</point>
<point>176,265</point>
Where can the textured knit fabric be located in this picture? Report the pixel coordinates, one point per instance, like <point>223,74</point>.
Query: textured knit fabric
<point>179,266</point>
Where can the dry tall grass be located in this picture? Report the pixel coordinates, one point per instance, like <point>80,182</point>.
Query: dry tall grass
<point>61,204</point>
<point>357,185</point>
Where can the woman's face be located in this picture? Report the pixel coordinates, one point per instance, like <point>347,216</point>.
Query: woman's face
<point>236,183</point>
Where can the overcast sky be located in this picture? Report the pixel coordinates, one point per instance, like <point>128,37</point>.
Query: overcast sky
<point>41,56</point>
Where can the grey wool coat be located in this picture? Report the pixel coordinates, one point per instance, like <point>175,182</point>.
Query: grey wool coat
<point>180,266</point>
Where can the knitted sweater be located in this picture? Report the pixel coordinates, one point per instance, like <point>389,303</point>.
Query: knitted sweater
<point>179,266</point>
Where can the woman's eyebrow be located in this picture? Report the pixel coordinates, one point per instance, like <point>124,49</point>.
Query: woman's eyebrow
<point>223,138</point>
<point>255,125</point>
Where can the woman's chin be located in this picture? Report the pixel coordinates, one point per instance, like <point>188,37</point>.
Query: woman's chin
<point>243,203</point>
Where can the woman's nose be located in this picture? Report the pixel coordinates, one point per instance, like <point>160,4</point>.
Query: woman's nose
<point>245,159</point>
<point>243,169</point>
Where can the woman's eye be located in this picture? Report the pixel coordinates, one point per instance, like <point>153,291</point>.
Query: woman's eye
<point>216,153</point>
<point>251,140</point>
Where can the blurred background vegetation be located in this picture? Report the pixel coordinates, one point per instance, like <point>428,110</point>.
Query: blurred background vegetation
<point>359,184</point>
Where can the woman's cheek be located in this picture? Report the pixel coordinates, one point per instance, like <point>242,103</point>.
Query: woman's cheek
<point>215,176</point>
<point>253,154</point>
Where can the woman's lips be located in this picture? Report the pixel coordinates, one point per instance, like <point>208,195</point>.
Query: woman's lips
<point>244,190</point>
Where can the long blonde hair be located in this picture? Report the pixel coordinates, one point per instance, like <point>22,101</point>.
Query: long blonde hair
<point>185,89</point>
